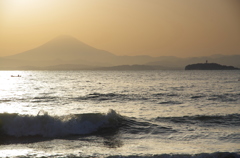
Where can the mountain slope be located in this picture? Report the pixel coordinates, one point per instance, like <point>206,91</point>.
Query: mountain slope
<point>68,50</point>
<point>64,48</point>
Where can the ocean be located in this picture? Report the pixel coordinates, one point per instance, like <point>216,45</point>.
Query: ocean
<point>166,114</point>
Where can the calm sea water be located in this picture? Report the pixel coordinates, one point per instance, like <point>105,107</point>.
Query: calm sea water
<point>120,114</point>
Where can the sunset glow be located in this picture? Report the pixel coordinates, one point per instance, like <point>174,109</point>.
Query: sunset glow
<point>120,78</point>
<point>154,27</point>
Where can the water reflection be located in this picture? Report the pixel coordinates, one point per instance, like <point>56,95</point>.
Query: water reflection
<point>108,137</point>
<point>111,137</point>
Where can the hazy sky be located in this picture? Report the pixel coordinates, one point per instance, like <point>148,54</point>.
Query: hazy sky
<point>124,27</point>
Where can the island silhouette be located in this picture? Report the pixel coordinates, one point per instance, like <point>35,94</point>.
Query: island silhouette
<point>209,66</point>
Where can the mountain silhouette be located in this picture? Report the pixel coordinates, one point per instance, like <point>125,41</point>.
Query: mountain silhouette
<point>66,52</point>
<point>64,48</point>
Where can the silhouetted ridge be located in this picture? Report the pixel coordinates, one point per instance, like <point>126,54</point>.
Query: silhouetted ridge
<point>67,41</point>
<point>65,48</point>
<point>75,55</point>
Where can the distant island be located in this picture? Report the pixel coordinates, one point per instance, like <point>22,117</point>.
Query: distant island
<point>209,66</point>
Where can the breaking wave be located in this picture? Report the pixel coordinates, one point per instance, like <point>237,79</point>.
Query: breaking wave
<point>56,126</point>
<point>45,125</point>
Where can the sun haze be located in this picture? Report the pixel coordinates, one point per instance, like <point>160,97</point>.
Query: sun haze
<point>137,27</point>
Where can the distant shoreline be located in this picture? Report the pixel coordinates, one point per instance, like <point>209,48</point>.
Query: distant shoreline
<point>96,68</point>
<point>72,67</point>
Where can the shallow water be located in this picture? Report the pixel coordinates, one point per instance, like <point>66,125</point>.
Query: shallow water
<point>120,113</point>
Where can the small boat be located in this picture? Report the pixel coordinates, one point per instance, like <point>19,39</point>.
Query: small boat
<point>15,76</point>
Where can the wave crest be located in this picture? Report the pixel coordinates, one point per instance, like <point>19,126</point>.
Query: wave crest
<point>46,125</point>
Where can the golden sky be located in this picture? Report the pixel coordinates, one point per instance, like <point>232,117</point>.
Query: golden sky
<point>180,28</point>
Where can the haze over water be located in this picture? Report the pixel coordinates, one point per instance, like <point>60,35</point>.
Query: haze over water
<point>100,113</point>
<point>119,113</point>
